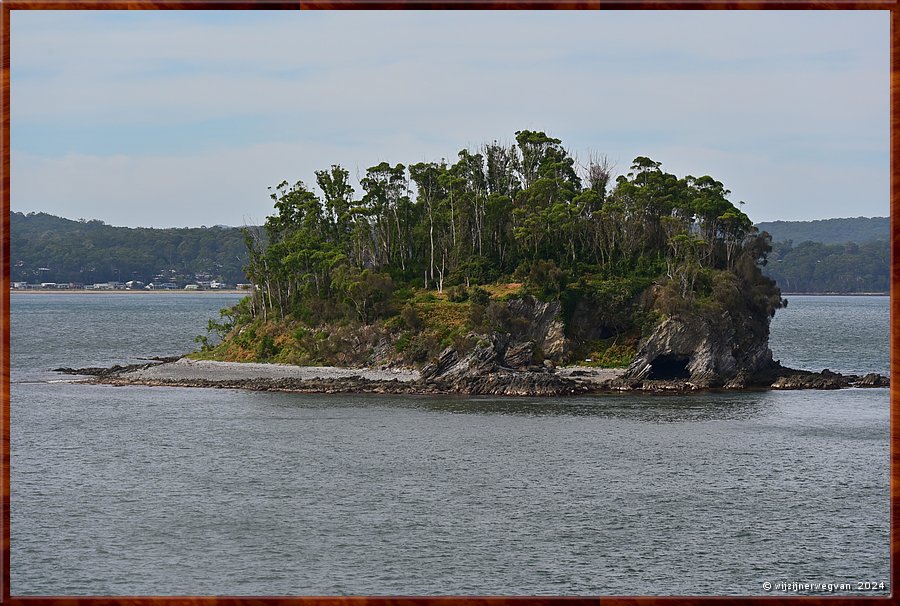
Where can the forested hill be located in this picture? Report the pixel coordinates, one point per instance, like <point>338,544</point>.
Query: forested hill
<point>46,248</point>
<point>830,255</point>
<point>859,230</point>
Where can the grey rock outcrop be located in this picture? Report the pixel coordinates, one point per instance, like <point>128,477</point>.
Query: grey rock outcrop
<point>482,371</point>
<point>538,322</point>
<point>827,379</point>
<point>510,362</point>
<point>519,355</point>
<point>697,352</point>
<point>700,351</point>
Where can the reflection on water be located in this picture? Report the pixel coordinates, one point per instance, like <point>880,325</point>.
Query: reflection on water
<point>648,408</point>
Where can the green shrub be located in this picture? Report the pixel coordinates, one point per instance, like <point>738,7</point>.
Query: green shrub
<point>457,294</point>
<point>266,348</point>
<point>203,340</point>
<point>608,353</point>
<point>497,315</point>
<point>546,279</point>
<point>425,297</point>
<point>403,342</point>
<point>477,317</point>
<point>479,296</point>
<point>411,318</point>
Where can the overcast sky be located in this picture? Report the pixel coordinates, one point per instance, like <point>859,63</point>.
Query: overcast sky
<point>146,118</point>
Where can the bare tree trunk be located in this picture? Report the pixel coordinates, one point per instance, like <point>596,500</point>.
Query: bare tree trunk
<point>431,238</point>
<point>441,271</point>
<point>400,238</point>
<point>452,216</point>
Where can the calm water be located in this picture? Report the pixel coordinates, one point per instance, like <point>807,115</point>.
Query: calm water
<point>140,490</point>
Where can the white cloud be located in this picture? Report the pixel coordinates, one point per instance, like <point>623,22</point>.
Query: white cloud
<point>226,187</point>
<point>789,92</point>
<point>217,187</point>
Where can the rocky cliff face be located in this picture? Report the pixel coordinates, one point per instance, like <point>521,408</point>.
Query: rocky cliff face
<point>687,351</point>
<point>518,360</point>
<point>704,351</point>
<point>536,331</point>
<point>696,352</point>
<point>480,372</point>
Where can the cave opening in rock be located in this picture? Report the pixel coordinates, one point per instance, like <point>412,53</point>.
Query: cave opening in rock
<point>668,367</point>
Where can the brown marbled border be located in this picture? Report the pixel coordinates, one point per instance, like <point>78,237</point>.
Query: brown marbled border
<point>7,6</point>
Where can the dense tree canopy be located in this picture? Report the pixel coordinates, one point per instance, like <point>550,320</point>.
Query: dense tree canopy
<point>526,212</point>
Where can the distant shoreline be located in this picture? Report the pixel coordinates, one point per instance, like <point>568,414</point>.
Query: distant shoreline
<point>84,291</point>
<point>835,294</point>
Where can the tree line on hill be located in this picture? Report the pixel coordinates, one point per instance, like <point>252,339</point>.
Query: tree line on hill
<point>813,267</point>
<point>860,230</point>
<point>850,255</point>
<point>45,248</point>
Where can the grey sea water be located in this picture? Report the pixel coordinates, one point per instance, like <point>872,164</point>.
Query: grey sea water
<point>164,491</point>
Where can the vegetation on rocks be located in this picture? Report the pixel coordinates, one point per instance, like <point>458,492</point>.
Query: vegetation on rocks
<point>516,247</point>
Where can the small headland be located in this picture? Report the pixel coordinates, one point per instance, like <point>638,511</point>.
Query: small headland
<point>184,372</point>
<point>493,275</point>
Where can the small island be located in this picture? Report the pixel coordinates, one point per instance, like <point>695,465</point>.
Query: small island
<point>515,270</point>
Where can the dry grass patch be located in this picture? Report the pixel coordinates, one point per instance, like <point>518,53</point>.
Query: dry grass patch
<point>501,290</point>
<point>443,314</point>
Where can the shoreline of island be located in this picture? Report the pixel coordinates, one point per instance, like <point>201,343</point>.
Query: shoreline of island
<point>563,381</point>
<point>257,376</point>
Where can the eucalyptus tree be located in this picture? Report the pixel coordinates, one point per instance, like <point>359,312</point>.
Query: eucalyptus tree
<point>338,201</point>
<point>471,176</point>
<point>431,198</point>
<point>300,256</point>
<point>545,219</point>
<point>502,164</point>
<point>387,200</point>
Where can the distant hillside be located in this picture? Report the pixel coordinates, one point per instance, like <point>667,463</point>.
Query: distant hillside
<point>830,268</point>
<point>45,248</point>
<point>829,231</point>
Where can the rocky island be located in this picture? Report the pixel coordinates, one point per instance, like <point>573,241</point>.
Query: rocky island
<point>513,271</point>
